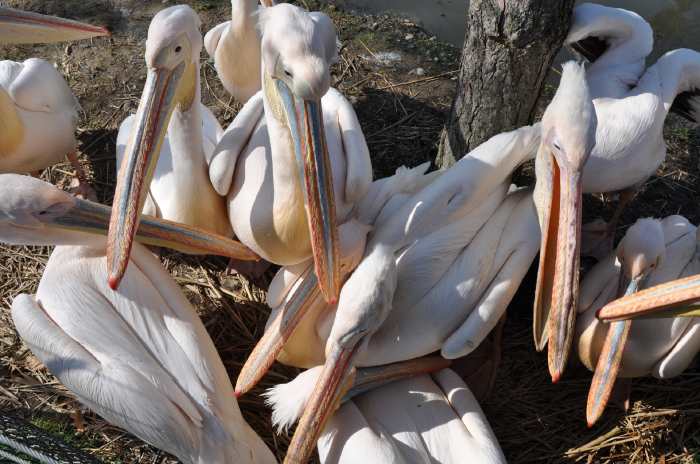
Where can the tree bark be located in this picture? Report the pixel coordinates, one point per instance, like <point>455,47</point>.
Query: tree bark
<point>508,49</point>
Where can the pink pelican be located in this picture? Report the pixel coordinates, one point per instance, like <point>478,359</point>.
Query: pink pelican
<point>38,111</point>
<point>294,161</point>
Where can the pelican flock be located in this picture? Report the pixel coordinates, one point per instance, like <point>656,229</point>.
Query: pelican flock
<point>382,283</point>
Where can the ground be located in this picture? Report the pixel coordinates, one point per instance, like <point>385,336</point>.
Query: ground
<point>401,101</point>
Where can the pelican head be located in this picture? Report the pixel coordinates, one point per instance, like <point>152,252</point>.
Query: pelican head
<point>33,212</point>
<point>677,298</point>
<point>24,27</point>
<point>640,252</point>
<point>172,60</point>
<point>297,50</point>
<point>568,136</point>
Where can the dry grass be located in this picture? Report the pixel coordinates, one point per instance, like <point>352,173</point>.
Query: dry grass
<point>401,115</point>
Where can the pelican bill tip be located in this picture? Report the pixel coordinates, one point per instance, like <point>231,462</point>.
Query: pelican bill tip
<point>113,282</point>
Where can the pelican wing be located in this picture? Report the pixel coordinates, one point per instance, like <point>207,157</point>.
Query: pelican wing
<point>39,87</point>
<point>222,161</point>
<point>515,252</point>
<point>158,412</point>
<point>483,442</point>
<point>358,164</point>
<point>211,39</point>
<point>462,188</point>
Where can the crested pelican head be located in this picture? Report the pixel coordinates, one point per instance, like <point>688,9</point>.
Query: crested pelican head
<point>24,27</point>
<point>297,50</point>
<point>172,60</point>
<point>568,136</point>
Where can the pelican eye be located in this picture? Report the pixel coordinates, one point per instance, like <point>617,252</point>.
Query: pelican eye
<point>178,49</point>
<point>287,73</point>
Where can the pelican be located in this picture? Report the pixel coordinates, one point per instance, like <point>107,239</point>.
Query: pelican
<point>140,356</point>
<point>38,111</point>
<point>652,251</point>
<point>167,141</point>
<point>294,161</point>
<point>461,244</point>
<point>34,212</point>
<point>428,418</point>
<point>627,147</point>
<point>235,48</point>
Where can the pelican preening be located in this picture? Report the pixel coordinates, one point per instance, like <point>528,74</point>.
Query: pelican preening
<point>625,147</point>
<point>294,161</point>
<point>38,111</point>
<point>652,251</point>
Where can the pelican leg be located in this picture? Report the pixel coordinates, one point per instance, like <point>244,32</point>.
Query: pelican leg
<point>81,188</point>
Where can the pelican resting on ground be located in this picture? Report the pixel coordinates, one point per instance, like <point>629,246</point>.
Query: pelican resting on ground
<point>38,111</point>
<point>427,418</point>
<point>294,161</point>
<point>652,252</point>
<point>161,151</point>
<point>235,48</point>
<point>461,245</point>
<point>139,356</point>
<point>383,316</point>
<point>627,148</point>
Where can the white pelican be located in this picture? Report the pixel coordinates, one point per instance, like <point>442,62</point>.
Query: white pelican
<point>294,161</point>
<point>427,418</point>
<point>652,251</point>
<point>167,141</point>
<point>139,356</point>
<point>33,212</point>
<point>462,245</point>
<point>235,48</point>
<point>38,111</point>
<point>628,147</point>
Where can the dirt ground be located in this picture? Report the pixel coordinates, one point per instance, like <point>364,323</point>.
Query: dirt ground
<point>401,103</point>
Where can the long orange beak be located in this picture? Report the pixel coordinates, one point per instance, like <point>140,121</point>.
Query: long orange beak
<point>558,198</point>
<point>678,298</point>
<point>609,360</point>
<point>93,218</point>
<point>334,381</point>
<point>152,118</point>
<point>24,27</point>
<point>278,332</point>
<point>305,119</point>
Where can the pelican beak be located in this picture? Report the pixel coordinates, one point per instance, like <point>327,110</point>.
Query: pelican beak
<point>369,378</point>
<point>24,27</point>
<point>158,100</point>
<point>305,119</point>
<point>93,218</point>
<point>558,199</point>
<point>610,357</point>
<point>335,379</point>
<point>277,333</point>
<point>678,298</point>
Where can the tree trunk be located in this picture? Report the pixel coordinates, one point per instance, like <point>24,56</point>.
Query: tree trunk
<point>508,49</point>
